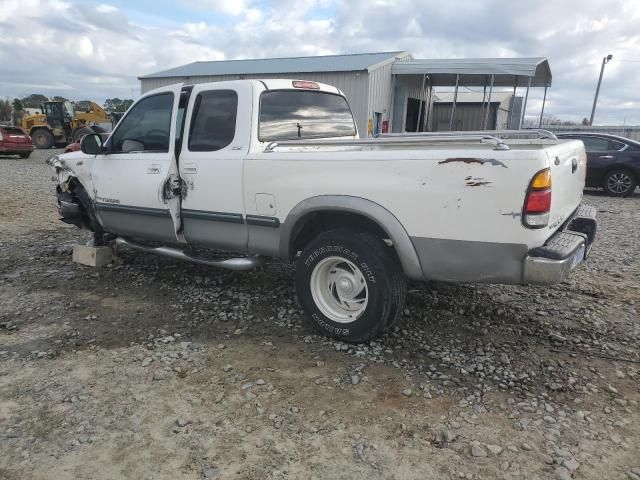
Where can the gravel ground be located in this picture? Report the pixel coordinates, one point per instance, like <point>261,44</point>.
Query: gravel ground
<point>154,369</point>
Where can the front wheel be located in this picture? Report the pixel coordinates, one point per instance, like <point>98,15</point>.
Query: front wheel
<point>42,139</point>
<point>619,183</point>
<point>350,285</point>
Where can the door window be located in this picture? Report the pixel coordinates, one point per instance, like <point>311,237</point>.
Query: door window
<point>617,146</point>
<point>213,123</point>
<point>146,127</point>
<point>595,144</point>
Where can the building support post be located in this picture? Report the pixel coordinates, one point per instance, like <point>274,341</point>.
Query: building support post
<point>524,104</point>
<point>453,105</point>
<point>486,113</point>
<point>544,100</point>
<point>424,79</point>
<point>393,102</point>
<point>513,102</point>
<point>484,95</point>
<point>429,105</point>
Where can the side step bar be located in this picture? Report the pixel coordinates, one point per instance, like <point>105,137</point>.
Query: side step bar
<point>240,263</point>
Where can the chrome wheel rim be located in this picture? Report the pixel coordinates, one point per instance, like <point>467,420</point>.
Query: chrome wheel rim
<point>339,289</point>
<point>619,182</point>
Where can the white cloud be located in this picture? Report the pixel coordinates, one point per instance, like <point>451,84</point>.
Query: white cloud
<point>100,50</point>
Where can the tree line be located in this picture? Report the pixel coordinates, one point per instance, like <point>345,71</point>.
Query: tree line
<point>14,110</point>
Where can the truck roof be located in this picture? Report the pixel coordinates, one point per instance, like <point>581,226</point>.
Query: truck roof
<point>266,83</point>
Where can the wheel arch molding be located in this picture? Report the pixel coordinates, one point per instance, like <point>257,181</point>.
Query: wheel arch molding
<point>342,205</point>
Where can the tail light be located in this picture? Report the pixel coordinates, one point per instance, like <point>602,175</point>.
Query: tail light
<point>537,203</point>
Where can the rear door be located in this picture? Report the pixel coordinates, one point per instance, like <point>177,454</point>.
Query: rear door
<point>136,184</point>
<point>216,139</point>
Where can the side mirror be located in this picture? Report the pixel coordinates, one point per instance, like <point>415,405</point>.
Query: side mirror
<point>91,144</point>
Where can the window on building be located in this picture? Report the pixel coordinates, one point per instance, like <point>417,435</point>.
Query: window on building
<point>213,124</point>
<point>300,114</point>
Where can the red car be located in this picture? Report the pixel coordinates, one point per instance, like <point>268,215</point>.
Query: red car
<point>14,141</point>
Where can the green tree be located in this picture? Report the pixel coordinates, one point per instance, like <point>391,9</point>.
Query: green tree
<point>60,99</point>
<point>117,104</point>
<point>5,110</point>
<point>18,111</point>
<point>35,100</point>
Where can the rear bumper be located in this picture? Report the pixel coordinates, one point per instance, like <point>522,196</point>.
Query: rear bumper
<point>564,250</point>
<point>16,148</point>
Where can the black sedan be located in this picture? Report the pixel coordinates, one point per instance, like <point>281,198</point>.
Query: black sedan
<point>613,162</point>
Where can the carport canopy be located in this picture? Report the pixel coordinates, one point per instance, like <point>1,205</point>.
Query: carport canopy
<point>476,72</point>
<point>480,72</point>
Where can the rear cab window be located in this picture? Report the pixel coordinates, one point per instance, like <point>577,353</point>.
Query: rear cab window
<point>303,114</point>
<point>213,122</point>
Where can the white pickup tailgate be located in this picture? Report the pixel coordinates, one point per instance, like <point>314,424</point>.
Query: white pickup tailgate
<point>568,163</point>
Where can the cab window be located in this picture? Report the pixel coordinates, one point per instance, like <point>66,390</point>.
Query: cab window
<point>213,122</point>
<point>146,127</point>
<point>300,114</point>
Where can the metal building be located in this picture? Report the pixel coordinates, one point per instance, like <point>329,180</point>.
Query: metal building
<point>364,78</point>
<point>470,111</point>
<point>387,91</point>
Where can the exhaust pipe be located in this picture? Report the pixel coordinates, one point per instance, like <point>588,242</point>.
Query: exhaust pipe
<point>239,263</point>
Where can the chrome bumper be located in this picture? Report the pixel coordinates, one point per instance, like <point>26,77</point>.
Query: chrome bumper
<point>564,250</point>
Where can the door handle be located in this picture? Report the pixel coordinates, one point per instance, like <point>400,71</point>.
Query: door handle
<point>574,165</point>
<point>190,168</point>
<point>607,157</point>
<point>153,169</point>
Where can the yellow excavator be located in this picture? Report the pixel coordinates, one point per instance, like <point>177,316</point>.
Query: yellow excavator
<point>62,122</point>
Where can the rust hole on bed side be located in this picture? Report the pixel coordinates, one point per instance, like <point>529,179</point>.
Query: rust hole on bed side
<point>469,160</point>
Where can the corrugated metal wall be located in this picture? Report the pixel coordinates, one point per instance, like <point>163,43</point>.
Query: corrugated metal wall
<point>353,84</point>
<point>408,86</point>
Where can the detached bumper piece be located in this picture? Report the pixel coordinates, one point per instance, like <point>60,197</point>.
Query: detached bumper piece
<point>564,250</point>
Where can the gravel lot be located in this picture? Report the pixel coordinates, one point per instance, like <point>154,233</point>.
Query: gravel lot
<point>154,369</point>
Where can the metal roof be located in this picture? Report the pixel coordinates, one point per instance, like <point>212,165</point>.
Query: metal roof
<point>476,72</point>
<point>269,66</point>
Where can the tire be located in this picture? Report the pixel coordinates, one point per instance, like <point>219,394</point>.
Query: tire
<point>350,285</point>
<point>81,132</point>
<point>42,139</point>
<point>619,183</point>
<point>98,129</point>
<point>25,155</point>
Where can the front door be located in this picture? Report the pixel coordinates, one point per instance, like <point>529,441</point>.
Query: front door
<point>135,182</point>
<point>215,141</point>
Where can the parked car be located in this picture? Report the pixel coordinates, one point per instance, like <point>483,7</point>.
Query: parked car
<point>276,168</point>
<point>15,141</point>
<point>613,163</point>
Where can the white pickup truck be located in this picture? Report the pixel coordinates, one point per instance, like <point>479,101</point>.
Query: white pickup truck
<point>275,168</point>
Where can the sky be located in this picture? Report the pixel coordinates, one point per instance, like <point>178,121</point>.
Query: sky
<point>82,49</point>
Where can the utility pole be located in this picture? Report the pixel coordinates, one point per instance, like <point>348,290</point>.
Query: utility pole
<point>605,60</point>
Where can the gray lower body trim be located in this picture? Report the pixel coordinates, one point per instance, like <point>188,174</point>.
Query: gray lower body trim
<point>137,222</point>
<point>463,261</point>
<point>212,216</point>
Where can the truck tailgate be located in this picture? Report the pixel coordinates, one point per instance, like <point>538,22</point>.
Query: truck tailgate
<point>568,163</point>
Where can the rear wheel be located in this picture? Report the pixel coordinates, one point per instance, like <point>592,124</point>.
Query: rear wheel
<point>350,285</point>
<point>42,138</point>
<point>619,183</point>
